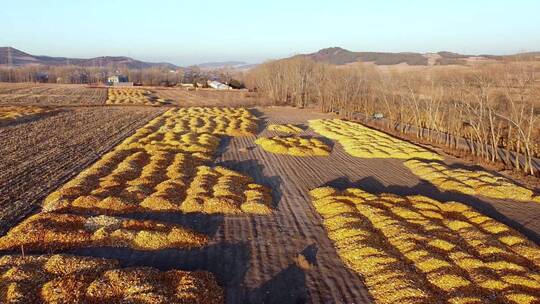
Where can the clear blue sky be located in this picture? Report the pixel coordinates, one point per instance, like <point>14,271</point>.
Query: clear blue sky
<point>188,32</point>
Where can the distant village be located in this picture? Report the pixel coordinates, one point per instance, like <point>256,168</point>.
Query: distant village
<point>120,80</point>
<point>189,78</point>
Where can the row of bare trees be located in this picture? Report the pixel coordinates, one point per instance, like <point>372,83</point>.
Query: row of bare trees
<point>87,75</point>
<point>71,74</point>
<point>492,106</point>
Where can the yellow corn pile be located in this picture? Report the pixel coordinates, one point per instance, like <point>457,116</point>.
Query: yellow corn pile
<point>133,96</point>
<point>294,145</point>
<point>49,231</point>
<point>284,128</point>
<point>164,167</point>
<point>71,279</point>
<point>364,142</point>
<point>417,250</point>
<point>476,182</point>
<point>11,114</point>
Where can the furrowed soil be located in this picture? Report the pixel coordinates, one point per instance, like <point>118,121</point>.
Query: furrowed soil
<point>40,155</point>
<point>286,257</point>
<point>203,97</point>
<point>51,94</point>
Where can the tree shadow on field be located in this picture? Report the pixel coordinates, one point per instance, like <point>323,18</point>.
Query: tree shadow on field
<point>207,224</point>
<point>399,136</point>
<point>289,285</point>
<point>286,287</point>
<point>372,185</point>
<point>227,261</point>
<point>224,143</point>
<point>303,126</point>
<point>327,141</point>
<point>474,168</point>
<point>263,120</point>
<point>255,170</point>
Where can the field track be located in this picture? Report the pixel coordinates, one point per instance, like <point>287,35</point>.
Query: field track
<point>40,155</point>
<point>255,258</point>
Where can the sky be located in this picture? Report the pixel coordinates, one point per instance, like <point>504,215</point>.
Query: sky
<point>191,32</point>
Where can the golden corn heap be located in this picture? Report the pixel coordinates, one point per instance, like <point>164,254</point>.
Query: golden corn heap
<point>162,167</point>
<point>293,145</point>
<point>361,141</point>
<point>133,96</point>
<point>213,120</point>
<point>476,182</point>
<point>71,279</point>
<point>285,128</point>
<point>417,250</point>
<point>14,113</point>
<point>50,231</point>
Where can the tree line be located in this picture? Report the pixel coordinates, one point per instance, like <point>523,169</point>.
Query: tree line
<point>71,74</point>
<point>496,105</point>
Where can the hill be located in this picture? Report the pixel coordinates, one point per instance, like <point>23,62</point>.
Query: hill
<point>218,65</point>
<point>14,57</point>
<point>340,56</point>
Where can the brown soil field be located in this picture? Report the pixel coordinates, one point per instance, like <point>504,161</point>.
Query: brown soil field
<point>283,257</point>
<point>51,94</point>
<point>40,155</point>
<point>207,97</point>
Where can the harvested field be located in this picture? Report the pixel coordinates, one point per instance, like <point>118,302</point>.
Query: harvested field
<point>71,279</point>
<point>51,94</point>
<point>131,96</point>
<point>286,255</point>
<point>413,249</point>
<point>40,155</point>
<point>216,188</point>
<point>162,168</point>
<point>208,97</point>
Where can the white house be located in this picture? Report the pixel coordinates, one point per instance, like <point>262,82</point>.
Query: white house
<point>218,85</point>
<point>119,80</point>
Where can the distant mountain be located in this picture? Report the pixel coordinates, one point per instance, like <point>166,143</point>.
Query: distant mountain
<point>217,65</point>
<point>340,56</point>
<point>14,57</point>
<point>233,65</point>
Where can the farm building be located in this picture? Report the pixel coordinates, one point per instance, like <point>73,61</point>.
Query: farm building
<point>119,80</point>
<point>218,85</point>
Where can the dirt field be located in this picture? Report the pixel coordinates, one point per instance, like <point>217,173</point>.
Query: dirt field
<point>204,97</point>
<point>40,155</point>
<point>285,257</point>
<point>51,94</point>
